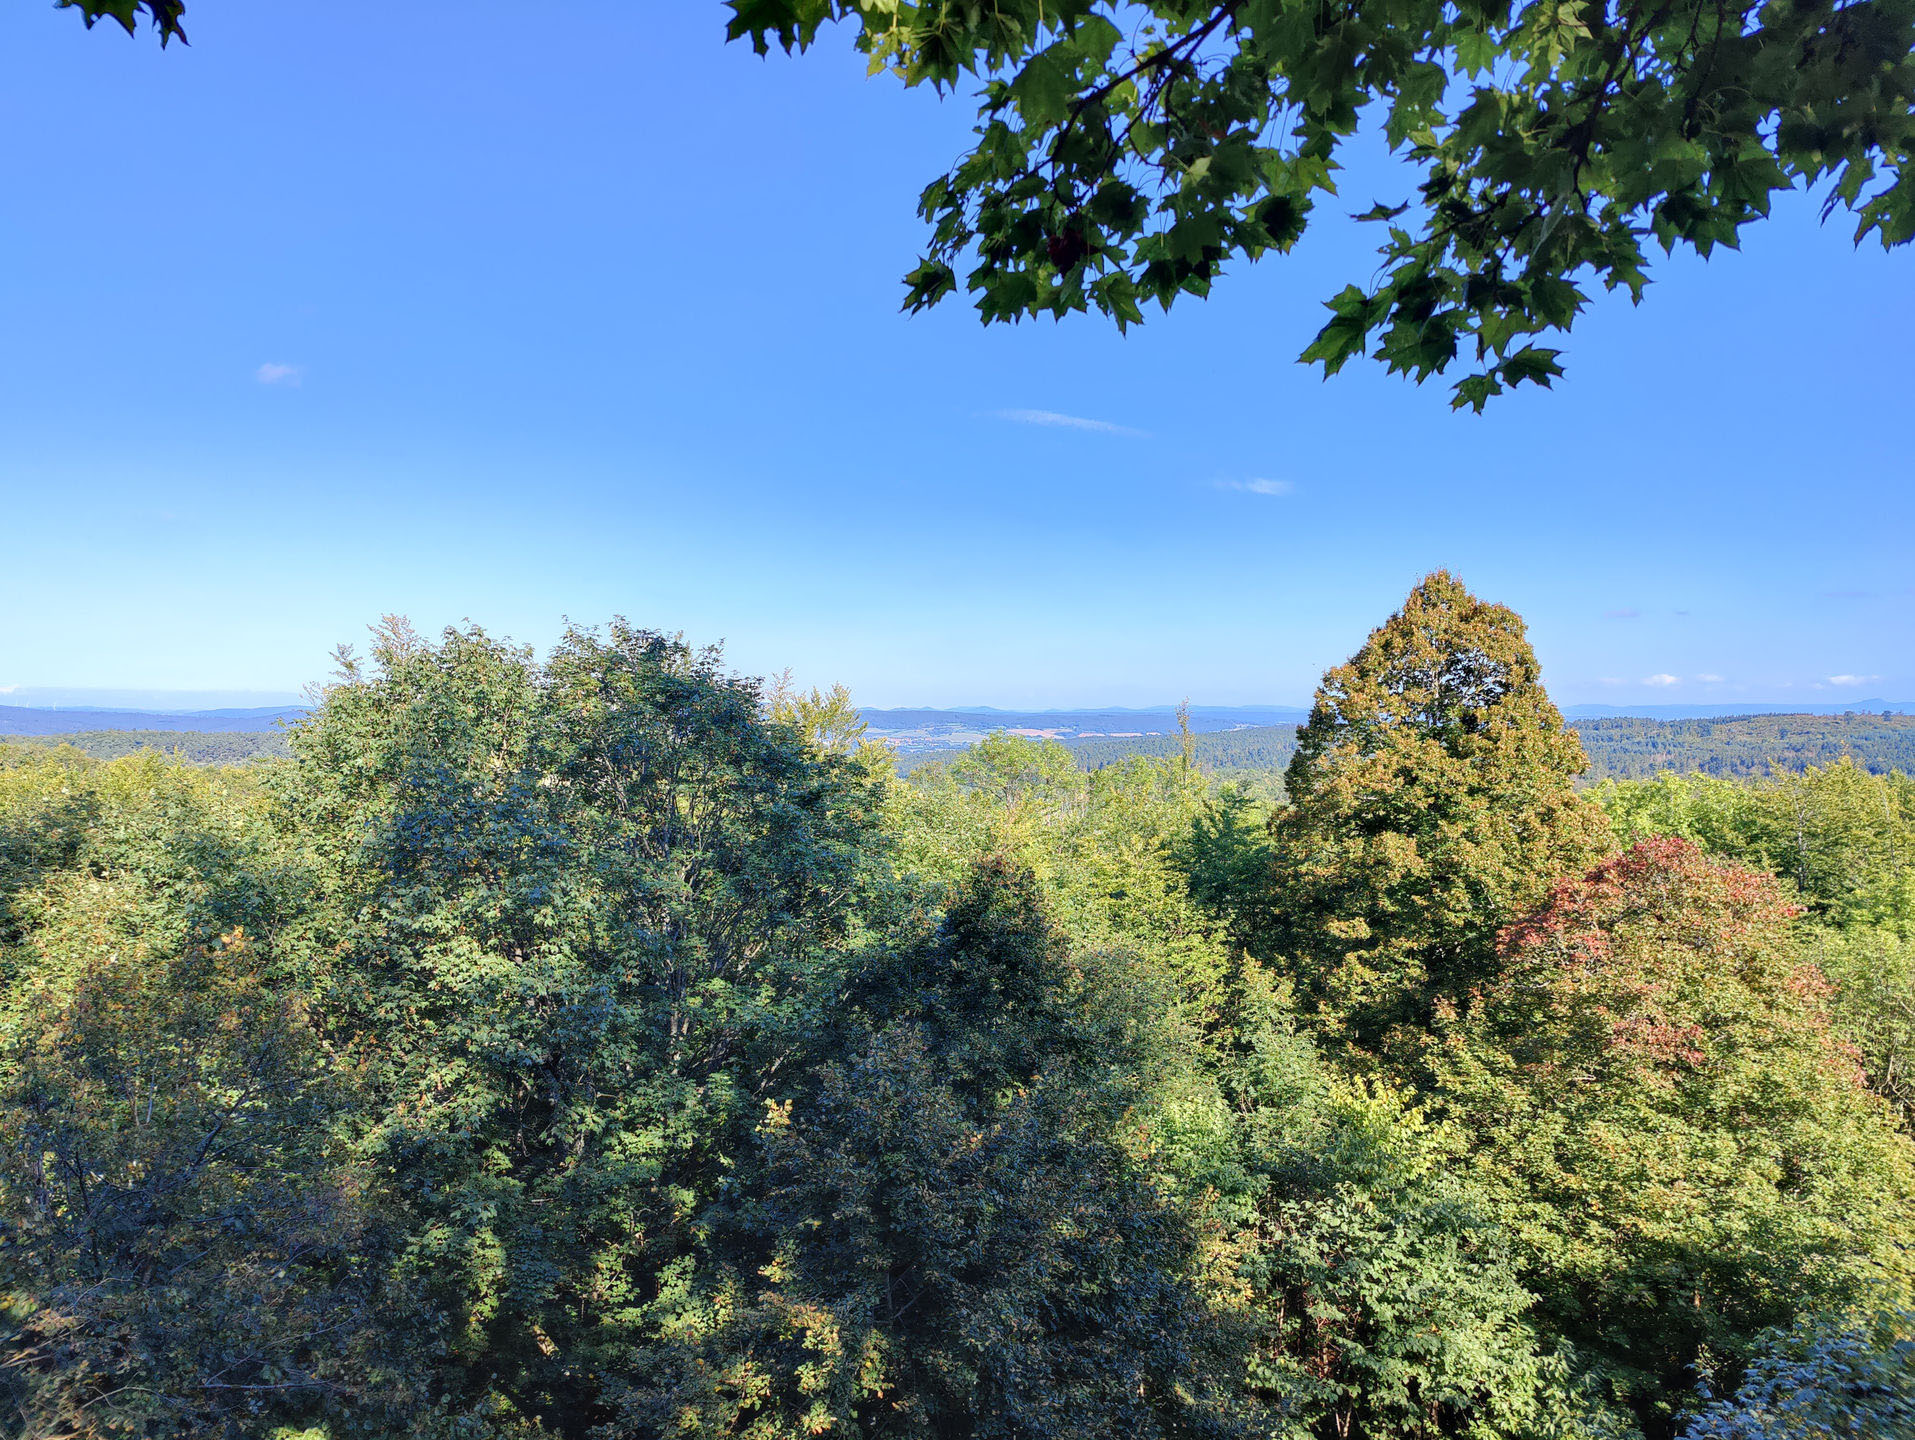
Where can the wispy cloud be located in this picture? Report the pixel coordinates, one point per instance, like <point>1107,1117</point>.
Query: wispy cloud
<point>1848,594</point>
<point>274,373</point>
<point>1662,680</point>
<point>1258,487</point>
<point>1622,614</point>
<point>1853,679</point>
<point>1065,422</point>
<point>1710,679</point>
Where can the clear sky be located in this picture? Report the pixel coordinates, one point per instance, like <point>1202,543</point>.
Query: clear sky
<point>527,311</point>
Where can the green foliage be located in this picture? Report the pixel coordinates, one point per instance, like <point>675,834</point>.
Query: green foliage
<point>185,1245</point>
<point>1388,1294</point>
<point>1112,850</point>
<point>184,1251</point>
<point>1226,861</point>
<point>46,803</point>
<point>605,1044</point>
<point>1682,1145</point>
<point>1375,1290</point>
<point>575,912</point>
<point>1844,837</point>
<point>1845,840</point>
<point>165,15</point>
<point>1432,801</point>
<point>826,718</point>
<point>950,1236</point>
<point>1873,972</point>
<point>1126,153</point>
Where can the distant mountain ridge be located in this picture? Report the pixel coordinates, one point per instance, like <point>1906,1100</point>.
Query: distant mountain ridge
<point>1723,712</point>
<point>1618,747</point>
<point>919,731</point>
<point>916,729</point>
<point>76,719</point>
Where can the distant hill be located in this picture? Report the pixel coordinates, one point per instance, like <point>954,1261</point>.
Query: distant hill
<point>1709,712</point>
<point>219,747</point>
<point>1879,734</point>
<point>22,720</point>
<point>915,731</point>
<point>1622,748</point>
<point>1259,747</point>
<point>1629,748</point>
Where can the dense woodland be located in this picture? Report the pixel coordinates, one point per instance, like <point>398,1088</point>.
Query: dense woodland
<point>199,747</point>
<point>1255,755</point>
<point>1619,749</point>
<point>1628,749</point>
<point>604,1044</point>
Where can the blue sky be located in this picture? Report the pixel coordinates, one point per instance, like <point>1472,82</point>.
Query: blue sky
<point>520,312</point>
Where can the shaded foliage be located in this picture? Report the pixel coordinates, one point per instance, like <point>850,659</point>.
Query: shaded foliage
<point>1846,1374</point>
<point>947,1236</point>
<point>185,1250</point>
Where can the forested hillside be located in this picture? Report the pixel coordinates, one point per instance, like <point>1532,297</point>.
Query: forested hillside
<point>1748,744</point>
<point>1254,748</point>
<point>1617,748</point>
<point>605,1046</point>
<point>200,747</point>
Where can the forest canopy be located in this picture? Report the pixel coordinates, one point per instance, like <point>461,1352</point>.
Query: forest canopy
<point>605,1044</point>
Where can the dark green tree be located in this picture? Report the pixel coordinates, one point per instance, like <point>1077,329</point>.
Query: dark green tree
<point>576,912</point>
<point>184,1249</point>
<point>1431,802</point>
<point>1225,860</point>
<point>948,1236</point>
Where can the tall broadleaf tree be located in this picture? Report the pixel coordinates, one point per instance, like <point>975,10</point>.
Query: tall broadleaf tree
<point>1682,1144</point>
<point>1432,802</point>
<point>947,1232</point>
<point>577,911</point>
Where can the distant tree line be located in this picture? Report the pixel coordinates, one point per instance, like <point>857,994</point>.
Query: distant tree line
<point>1747,744</point>
<point>199,747</point>
<point>1618,748</point>
<point>1621,749</point>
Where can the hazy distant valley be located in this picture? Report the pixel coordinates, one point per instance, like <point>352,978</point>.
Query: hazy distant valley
<point>1229,742</point>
